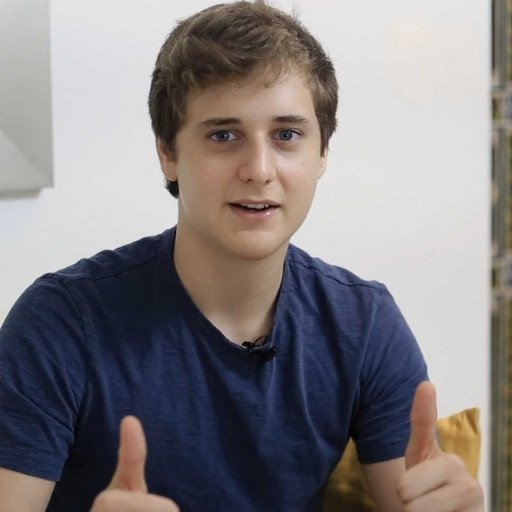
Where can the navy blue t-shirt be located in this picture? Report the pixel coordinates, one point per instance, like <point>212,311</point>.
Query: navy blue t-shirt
<point>117,334</point>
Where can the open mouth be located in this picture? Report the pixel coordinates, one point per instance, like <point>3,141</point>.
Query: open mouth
<point>255,208</point>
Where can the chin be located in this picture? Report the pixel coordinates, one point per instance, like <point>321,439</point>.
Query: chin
<point>255,250</point>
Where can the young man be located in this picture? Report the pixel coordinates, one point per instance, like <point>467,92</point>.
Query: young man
<point>247,362</point>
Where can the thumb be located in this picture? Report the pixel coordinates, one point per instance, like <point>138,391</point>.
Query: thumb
<point>423,443</point>
<point>131,459</point>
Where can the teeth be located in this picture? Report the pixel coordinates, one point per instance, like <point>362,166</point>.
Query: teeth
<point>259,206</point>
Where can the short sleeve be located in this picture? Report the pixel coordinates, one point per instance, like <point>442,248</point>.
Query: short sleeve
<point>42,379</point>
<point>392,368</point>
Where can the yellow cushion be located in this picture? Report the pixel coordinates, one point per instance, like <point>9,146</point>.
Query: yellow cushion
<point>347,491</point>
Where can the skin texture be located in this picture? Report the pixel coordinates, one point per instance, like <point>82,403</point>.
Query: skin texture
<point>23,493</point>
<point>248,158</point>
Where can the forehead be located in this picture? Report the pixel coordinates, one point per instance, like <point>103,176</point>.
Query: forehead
<point>253,96</point>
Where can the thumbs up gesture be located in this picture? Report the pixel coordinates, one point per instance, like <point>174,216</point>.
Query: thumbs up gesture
<point>434,481</point>
<point>128,490</point>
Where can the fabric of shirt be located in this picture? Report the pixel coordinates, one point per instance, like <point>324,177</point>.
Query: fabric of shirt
<point>227,430</point>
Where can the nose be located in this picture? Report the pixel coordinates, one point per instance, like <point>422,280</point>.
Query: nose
<point>257,165</point>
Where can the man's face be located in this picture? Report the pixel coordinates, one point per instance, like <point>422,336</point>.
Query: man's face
<point>248,161</point>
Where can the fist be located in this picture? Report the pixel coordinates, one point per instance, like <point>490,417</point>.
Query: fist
<point>434,480</point>
<point>128,490</point>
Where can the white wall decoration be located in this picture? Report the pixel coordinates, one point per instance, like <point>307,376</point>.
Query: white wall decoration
<point>25,96</point>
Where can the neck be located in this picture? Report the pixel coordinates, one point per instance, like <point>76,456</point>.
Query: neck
<point>237,295</point>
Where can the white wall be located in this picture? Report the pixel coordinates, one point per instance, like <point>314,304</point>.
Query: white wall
<point>405,199</point>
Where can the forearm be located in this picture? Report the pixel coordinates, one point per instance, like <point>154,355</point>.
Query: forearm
<point>23,493</point>
<point>382,479</point>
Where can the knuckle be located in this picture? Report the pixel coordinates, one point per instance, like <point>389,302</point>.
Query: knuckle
<point>173,507</point>
<point>409,507</point>
<point>455,461</point>
<point>474,491</point>
<point>103,503</point>
<point>401,489</point>
<point>170,506</point>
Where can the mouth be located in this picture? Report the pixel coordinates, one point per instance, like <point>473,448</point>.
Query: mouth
<point>255,207</point>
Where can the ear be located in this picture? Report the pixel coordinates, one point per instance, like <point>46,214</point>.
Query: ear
<point>323,164</point>
<point>167,160</point>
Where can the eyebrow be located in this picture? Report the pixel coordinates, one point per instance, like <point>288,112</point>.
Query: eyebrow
<point>292,119</point>
<point>223,121</point>
<point>220,121</point>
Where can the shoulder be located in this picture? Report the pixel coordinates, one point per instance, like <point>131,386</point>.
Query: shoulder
<point>323,278</point>
<point>109,275</point>
<point>336,299</point>
<point>112,262</point>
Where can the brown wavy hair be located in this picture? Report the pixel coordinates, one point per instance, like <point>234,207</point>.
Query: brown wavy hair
<point>228,42</point>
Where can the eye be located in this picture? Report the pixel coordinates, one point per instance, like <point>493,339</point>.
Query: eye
<point>223,136</point>
<point>287,135</point>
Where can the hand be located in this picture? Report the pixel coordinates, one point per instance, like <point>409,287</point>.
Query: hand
<point>128,490</point>
<point>434,481</point>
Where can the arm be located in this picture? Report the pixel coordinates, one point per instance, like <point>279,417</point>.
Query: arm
<point>23,493</point>
<point>427,479</point>
<point>43,374</point>
<point>382,479</point>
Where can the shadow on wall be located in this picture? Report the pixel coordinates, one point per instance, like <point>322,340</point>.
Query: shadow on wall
<point>20,194</point>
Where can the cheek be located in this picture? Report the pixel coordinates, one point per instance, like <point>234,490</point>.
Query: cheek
<point>200,183</point>
<point>302,178</point>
